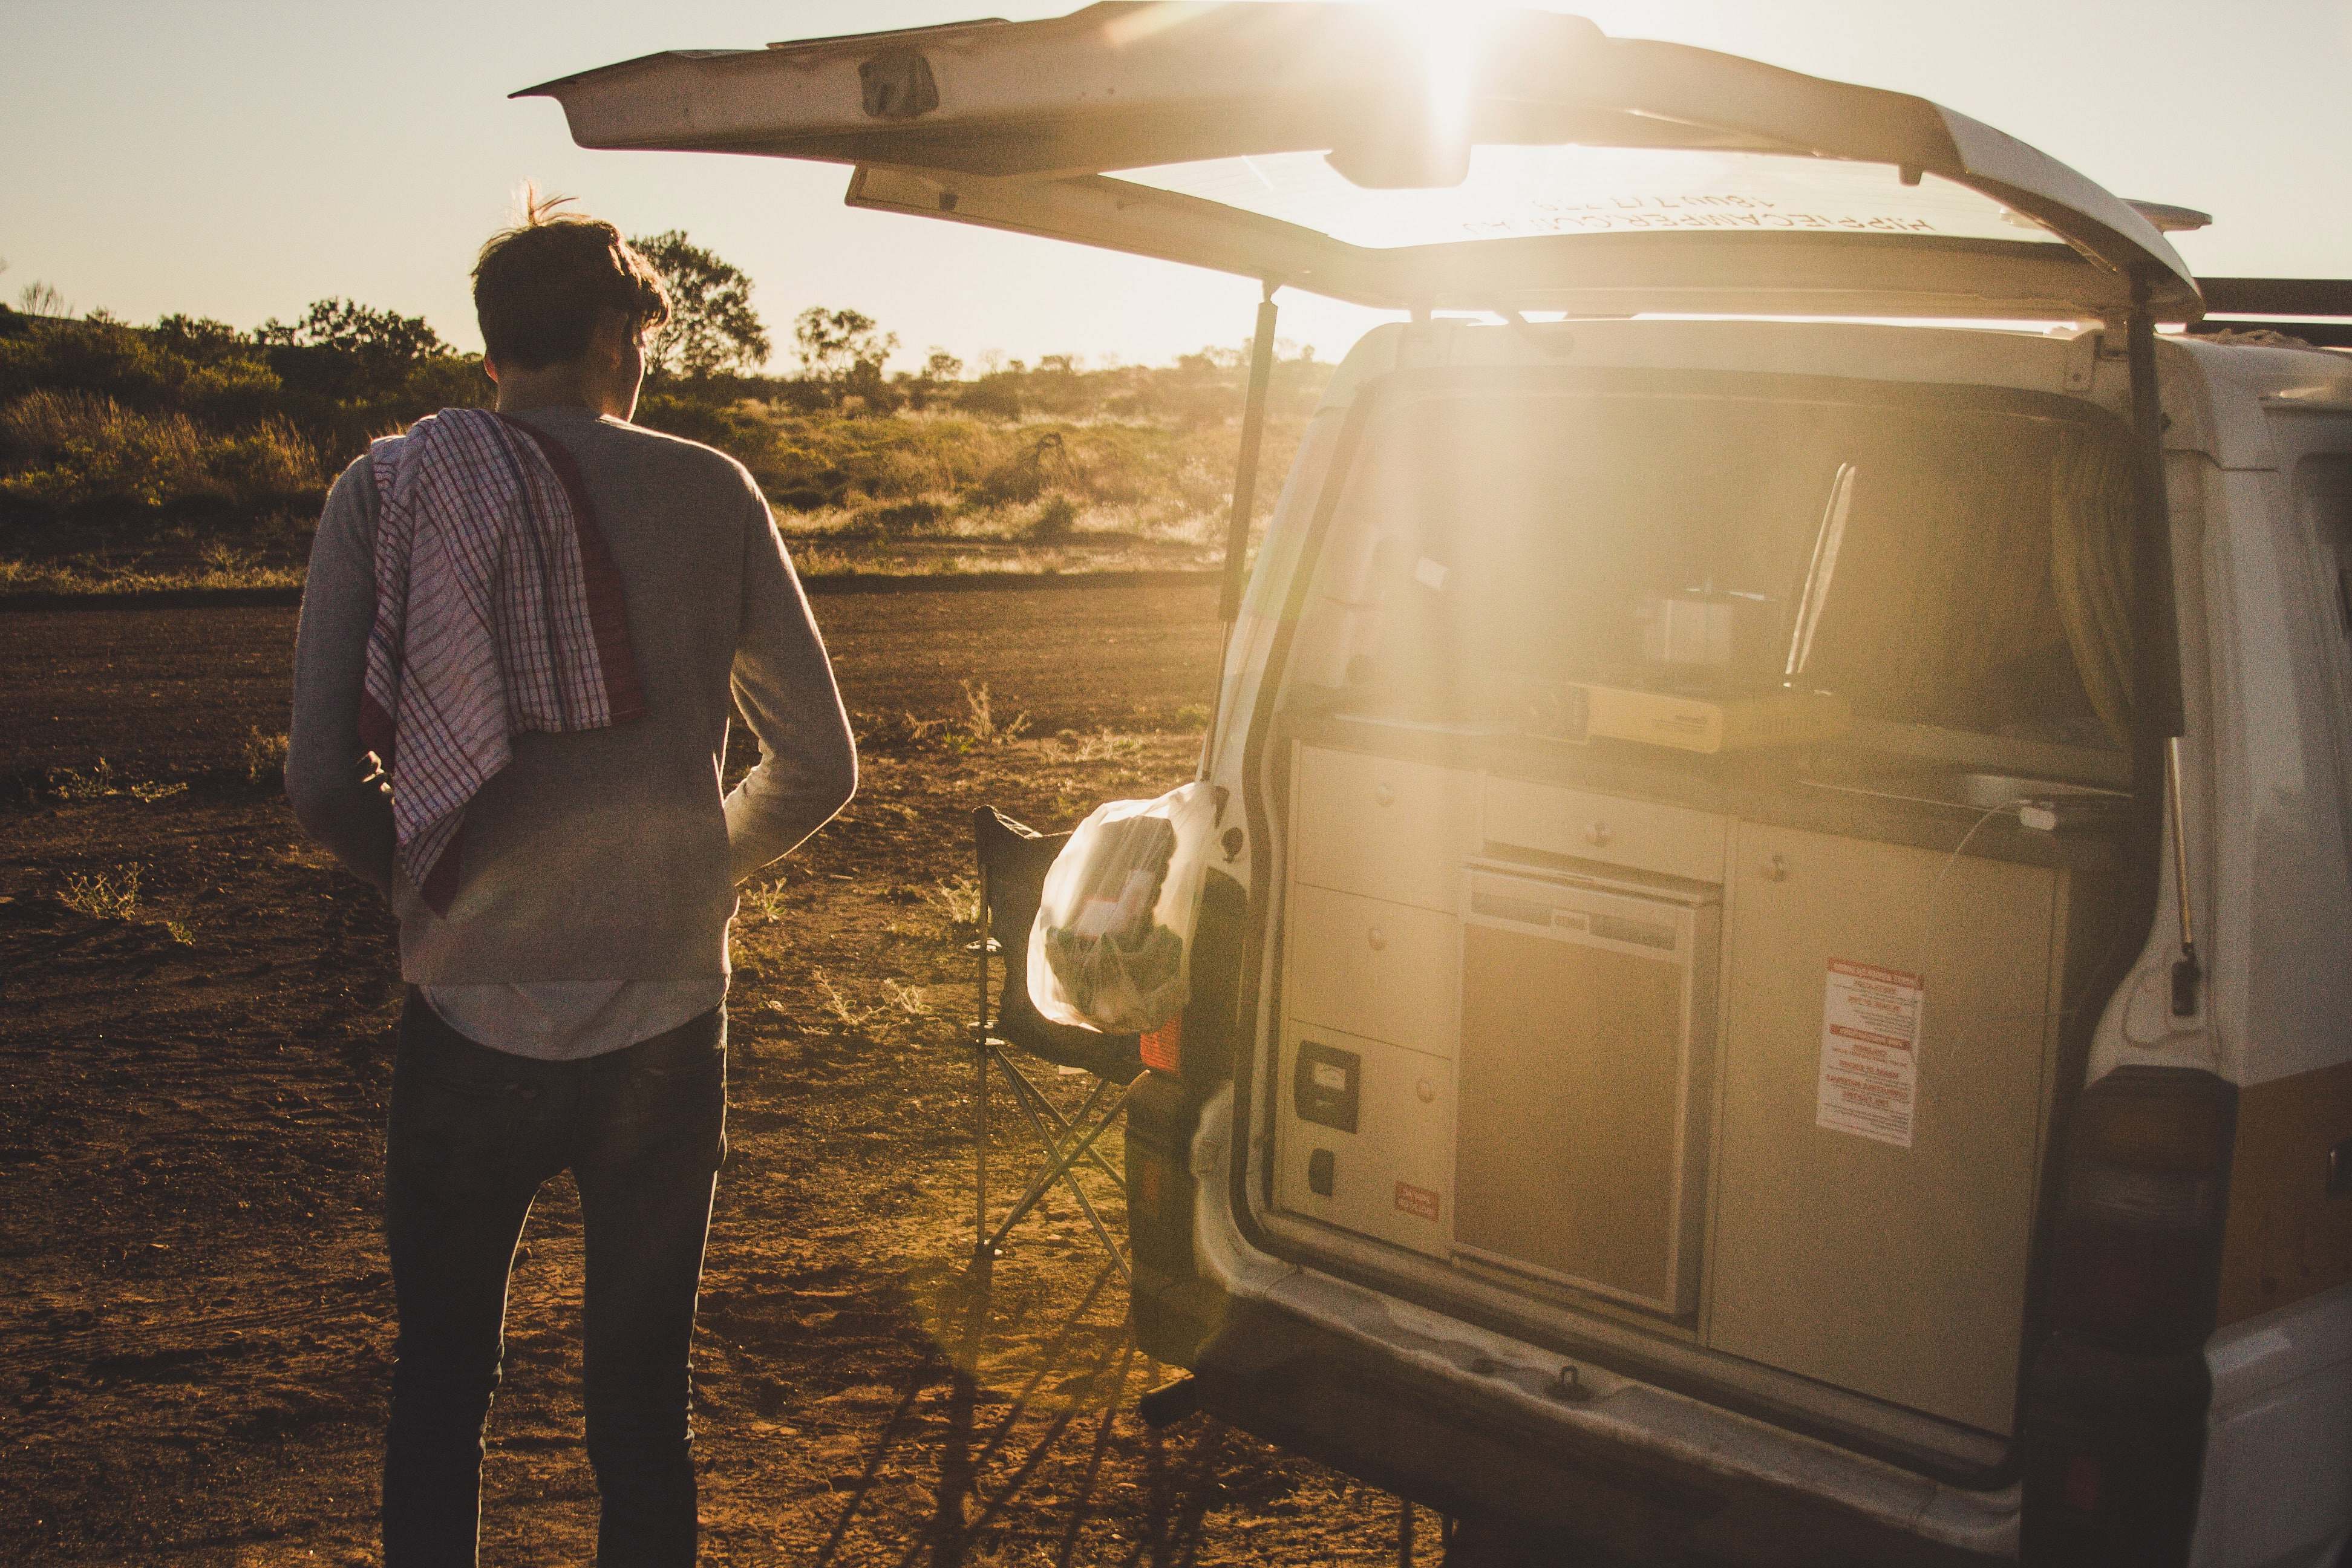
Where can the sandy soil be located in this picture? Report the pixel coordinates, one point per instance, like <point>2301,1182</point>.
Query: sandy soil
<point>195,1335</point>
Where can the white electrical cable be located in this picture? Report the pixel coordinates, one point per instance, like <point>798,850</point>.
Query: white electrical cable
<point>1926,939</point>
<point>1934,894</point>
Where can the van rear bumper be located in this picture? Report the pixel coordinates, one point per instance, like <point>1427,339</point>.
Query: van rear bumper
<point>1473,1423</point>
<point>1316,1391</point>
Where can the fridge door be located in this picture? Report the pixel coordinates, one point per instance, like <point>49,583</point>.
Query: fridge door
<point>1586,1029</point>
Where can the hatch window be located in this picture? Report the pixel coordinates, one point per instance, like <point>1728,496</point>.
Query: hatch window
<point>1937,565</point>
<point>1520,193</point>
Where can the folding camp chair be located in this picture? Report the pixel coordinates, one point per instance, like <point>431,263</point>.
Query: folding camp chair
<point>1014,860</point>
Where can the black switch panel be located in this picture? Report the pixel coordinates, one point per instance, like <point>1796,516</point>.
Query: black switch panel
<point>1320,1168</point>
<point>1324,1085</point>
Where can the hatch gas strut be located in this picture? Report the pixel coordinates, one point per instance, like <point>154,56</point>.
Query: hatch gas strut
<point>1237,529</point>
<point>2158,720</point>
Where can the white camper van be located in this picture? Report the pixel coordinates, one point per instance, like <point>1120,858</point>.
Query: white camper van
<point>1780,983</point>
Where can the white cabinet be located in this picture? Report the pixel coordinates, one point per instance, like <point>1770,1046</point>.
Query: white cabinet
<point>1365,1139</point>
<point>1385,828</point>
<point>1392,972</point>
<point>1897,1271</point>
<point>1641,835</point>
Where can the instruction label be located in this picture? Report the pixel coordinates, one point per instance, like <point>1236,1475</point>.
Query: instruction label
<point>1870,1052</point>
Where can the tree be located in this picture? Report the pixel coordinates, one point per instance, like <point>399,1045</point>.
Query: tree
<point>832,343</point>
<point>344,352</point>
<point>383,338</point>
<point>712,328</point>
<point>942,366</point>
<point>40,298</point>
<point>200,339</point>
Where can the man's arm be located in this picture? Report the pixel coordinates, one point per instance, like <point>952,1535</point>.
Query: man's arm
<point>784,683</point>
<point>350,818</point>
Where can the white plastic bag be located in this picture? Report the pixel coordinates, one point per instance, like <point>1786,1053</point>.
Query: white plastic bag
<point>1111,948</point>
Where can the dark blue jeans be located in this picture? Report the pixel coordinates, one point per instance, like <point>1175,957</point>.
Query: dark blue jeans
<point>474,1132</point>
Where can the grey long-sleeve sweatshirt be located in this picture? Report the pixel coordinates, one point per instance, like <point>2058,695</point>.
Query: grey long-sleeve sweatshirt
<point>607,853</point>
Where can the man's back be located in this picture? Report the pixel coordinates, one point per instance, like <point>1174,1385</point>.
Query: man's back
<point>603,855</point>
<point>552,781</point>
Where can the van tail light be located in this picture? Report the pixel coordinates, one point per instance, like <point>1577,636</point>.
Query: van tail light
<point>2139,1226</point>
<point>1164,1048</point>
<point>2116,1396</point>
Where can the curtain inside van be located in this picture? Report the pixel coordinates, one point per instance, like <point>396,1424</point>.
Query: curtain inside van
<point>2091,568</point>
<point>1981,585</point>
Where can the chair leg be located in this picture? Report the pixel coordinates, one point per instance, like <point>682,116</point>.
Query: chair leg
<point>981,1246</point>
<point>1026,1097</point>
<point>1058,1167</point>
<point>981,1049</point>
<point>1061,1123</point>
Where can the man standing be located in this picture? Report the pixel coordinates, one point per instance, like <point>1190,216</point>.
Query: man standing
<point>532,621</point>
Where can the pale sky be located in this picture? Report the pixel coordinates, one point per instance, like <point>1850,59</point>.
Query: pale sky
<point>241,158</point>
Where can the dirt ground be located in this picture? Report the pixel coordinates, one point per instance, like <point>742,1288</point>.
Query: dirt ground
<point>196,1331</point>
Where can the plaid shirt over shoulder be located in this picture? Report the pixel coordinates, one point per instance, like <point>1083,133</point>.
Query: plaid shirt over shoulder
<point>498,610</point>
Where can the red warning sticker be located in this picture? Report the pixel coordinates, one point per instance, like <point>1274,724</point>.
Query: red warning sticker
<point>1870,1052</point>
<point>1418,1202</point>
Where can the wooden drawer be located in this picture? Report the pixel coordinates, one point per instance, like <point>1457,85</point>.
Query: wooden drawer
<point>1386,971</point>
<point>1671,840</point>
<point>1383,828</point>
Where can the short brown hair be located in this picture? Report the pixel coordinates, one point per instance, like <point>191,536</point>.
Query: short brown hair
<point>540,286</point>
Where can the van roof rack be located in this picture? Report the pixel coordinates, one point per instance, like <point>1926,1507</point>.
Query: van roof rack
<point>2317,310</point>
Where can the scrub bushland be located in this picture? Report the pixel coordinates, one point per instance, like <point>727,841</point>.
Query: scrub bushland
<point>188,453</point>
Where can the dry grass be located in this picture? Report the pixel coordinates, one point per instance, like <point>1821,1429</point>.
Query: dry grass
<point>95,783</point>
<point>765,900</point>
<point>82,450</point>
<point>979,721</point>
<point>907,999</point>
<point>838,1006</point>
<point>265,756</point>
<point>1102,746</point>
<point>956,900</point>
<point>103,895</point>
<point>98,574</point>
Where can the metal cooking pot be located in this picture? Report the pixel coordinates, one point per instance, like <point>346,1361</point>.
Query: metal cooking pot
<point>1710,628</point>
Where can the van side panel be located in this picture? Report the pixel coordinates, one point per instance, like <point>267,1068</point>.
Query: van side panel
<point>2278,1467</point>
<point>2289,1236</point>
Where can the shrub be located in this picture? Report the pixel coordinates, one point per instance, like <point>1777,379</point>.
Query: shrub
<point>906,516</point>
<point>265,756</point>
<point>991,397</point>
<point>1056,520</point>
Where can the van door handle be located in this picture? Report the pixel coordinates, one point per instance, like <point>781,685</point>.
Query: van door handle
<point>1384,795</point>
<point>1378,938</point>
<point>1597,834</point>
<point>1776,868</point>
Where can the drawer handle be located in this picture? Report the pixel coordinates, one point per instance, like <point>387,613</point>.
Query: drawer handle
<point>1597,834</point>
<point>1776,868</point>
<point>1378,938</point>
<point>1384,795</point>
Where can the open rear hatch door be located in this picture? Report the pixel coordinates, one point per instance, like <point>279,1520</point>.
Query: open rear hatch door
<point>1524,160</point>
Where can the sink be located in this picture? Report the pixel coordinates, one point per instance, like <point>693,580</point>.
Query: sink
<point>1960,790</point>
<point>1988,790</point>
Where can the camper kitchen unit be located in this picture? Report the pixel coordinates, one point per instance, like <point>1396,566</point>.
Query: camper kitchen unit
<point>1779,983</point>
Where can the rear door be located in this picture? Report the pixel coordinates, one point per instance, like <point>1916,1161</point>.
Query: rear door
<point>1524,161</point>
